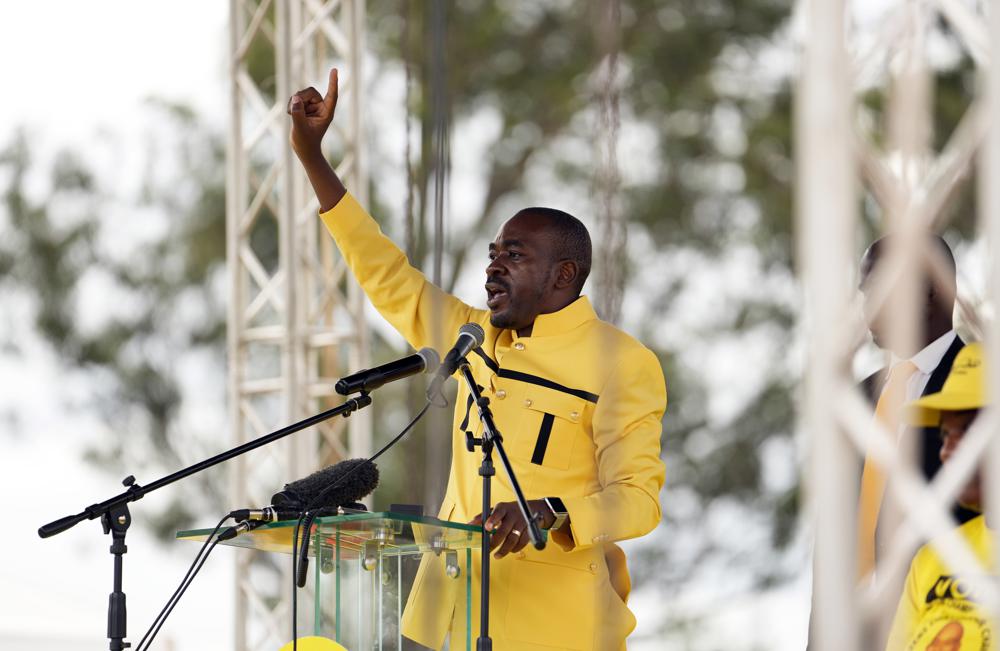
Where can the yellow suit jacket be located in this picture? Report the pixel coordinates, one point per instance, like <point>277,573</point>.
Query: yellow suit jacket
<point>579,404</point>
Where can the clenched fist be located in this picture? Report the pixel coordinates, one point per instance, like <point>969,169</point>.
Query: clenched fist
<point>311,116</point>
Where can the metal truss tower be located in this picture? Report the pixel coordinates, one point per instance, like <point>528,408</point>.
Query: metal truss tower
<point>838,159</point>
<point>296,317</point>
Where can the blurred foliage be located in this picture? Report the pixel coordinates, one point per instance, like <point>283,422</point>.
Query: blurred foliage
<point>132,356</point>
<point>39,254</point>
<point>706,78</point>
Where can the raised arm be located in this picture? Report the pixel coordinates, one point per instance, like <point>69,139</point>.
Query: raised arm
<point>423,313</point>
<point>311,116</point>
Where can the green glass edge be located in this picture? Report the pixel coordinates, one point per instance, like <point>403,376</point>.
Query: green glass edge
<point>468,599</point>
<point>317,574</point>
<point>353,517</point>
<point>336,570</point>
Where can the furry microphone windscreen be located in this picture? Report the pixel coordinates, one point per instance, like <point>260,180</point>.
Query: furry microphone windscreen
<point>342,483</point>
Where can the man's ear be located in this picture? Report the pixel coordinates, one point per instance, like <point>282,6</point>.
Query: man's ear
<point>567,272</point>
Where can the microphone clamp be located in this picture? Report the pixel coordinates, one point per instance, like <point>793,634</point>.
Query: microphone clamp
<point>231,532</point>
<point>266,514</point>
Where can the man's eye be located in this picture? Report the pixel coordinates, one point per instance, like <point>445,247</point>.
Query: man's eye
<point>493,255</point>
<point>514,255</point>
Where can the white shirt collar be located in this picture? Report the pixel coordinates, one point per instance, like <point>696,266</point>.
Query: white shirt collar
<point>927,359</point>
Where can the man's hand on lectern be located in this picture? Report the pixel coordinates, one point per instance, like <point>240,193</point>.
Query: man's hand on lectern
<point>507,527</point>
<point>311,116</point>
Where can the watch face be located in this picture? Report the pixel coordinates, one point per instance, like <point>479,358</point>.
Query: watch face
<point>556,504</point>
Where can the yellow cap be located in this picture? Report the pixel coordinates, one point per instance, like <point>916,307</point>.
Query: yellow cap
<point>315,644</point>
<point>964,389</point>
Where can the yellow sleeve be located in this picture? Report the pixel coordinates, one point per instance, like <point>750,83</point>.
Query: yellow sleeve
<point>906,612</point>
<point>627,423</point>
<point>423,313</point>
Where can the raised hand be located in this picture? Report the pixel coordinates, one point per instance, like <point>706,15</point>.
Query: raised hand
<point>311,116</point>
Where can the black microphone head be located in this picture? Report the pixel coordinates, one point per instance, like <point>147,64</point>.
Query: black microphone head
<point>431,359</point>
<point>342,483</point>
<point>475,331</point>
<point>423,361</point>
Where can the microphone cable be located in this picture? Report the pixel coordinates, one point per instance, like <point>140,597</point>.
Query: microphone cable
<point>196,565</point>
<point>300,561</point>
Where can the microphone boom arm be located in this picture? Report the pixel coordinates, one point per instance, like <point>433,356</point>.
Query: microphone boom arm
<point>491,436</point>
<point>136,492</point>
<point>115,516</point>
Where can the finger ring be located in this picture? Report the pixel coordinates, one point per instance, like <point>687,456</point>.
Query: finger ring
<point>515,532</point>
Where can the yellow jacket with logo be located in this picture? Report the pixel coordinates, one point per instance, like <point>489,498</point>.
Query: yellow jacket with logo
<point>940,609</point>
<point>579,404</point>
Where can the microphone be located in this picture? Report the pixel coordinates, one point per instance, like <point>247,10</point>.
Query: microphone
<point>342,483</point>
<point>426,359</point>
<point>470,336</point>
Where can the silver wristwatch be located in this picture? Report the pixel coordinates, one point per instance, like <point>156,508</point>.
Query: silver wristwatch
<point>559,510</point>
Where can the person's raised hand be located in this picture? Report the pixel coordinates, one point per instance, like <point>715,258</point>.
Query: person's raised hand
<point>311,116</point>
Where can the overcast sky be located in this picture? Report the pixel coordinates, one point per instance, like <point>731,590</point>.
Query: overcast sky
<point>70,67</point>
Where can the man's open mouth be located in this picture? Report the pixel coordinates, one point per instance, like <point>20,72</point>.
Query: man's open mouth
<point>495,295</point>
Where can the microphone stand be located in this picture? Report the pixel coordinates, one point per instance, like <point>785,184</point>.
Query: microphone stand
<point>492,439</point>
<point>115,516</point>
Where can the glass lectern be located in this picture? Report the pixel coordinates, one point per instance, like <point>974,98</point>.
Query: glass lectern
<point>362,567</point>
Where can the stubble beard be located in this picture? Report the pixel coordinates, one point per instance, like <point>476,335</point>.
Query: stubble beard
<point>501,321</point>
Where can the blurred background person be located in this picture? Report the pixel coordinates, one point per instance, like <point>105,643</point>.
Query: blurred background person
<point>938,609</point>
<point>909,375</point>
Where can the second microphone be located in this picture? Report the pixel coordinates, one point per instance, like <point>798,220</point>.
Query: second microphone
<point>426,360</point>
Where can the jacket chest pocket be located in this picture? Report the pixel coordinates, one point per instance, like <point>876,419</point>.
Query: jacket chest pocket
<point>556,420</point>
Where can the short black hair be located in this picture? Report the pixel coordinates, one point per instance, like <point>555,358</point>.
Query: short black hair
<point>935,240</point>
<point>945,291</point>
<point>570,237</point>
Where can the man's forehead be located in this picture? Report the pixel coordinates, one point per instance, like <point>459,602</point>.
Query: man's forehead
<point>524,225</point>
<point>506,242</point>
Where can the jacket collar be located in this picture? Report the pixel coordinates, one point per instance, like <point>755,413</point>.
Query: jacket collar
<point>570,317</point>
<point>929,358</point>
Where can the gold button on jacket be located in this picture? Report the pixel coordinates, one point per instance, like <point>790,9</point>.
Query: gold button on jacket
<point>581,420</point>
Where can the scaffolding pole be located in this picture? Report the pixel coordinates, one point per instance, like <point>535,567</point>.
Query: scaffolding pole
<point>825,208</point>
<point>296,319</point>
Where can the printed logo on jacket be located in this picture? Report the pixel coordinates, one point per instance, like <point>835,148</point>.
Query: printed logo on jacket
<point>951,619</point>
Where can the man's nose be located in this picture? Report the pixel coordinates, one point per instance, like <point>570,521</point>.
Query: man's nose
<point>948,446</point>
<point>495,267</point>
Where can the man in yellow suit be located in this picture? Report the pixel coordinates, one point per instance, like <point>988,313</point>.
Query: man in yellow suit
<point>578,402</point>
